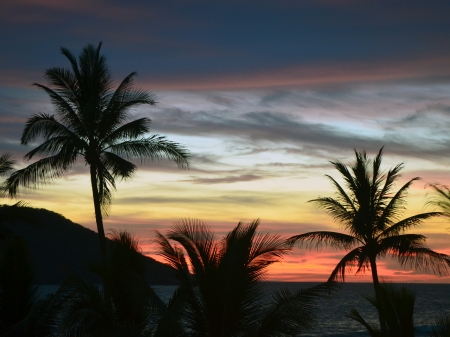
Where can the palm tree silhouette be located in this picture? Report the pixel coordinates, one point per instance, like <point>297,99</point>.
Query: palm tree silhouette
<point>91,121</point>
<point>370,211</point>
<point>221,293</point>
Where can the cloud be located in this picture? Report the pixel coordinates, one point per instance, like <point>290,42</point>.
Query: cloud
<point>225,180</point>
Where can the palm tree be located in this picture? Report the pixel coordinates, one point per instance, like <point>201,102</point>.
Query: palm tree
<point>221,293</point>
<point>370,211</point>
<point>91,121</point>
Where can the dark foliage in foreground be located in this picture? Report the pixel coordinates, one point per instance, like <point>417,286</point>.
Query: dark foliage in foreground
<point>397,307</point>
<point>370,210</point>
<point>221,293</point>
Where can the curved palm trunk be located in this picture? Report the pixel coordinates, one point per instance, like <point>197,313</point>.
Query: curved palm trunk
<point>377,288</point>
<point>98,214</point>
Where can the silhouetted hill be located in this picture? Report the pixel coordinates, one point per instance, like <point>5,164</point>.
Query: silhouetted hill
<point>61,247</point>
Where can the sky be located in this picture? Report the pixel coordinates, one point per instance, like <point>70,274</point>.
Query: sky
<point>263,94</point>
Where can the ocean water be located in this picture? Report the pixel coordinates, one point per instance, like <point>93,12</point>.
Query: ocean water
<point>432,301</point>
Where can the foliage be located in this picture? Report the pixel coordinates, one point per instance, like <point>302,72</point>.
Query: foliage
<point>397,306</point>
<point>441,327</point>
<point>221,293</point>
<point>6,163</point>
<point>441,198</point>
<point>125,306</point>
<point>370,210</point>
<point>91,121</point>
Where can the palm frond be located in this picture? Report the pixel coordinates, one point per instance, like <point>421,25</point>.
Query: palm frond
<point>153,148</point>
<point>266,249</point>
<point>6,163</point>
<point>441,198</point>
<point>355,257</point>
<point>339,212</point>
<point>46,126</point>
<point>198,241</point>
<point>348,178</point>
<point>73,61</point>
<point>131,130</point>
<point>411,252</point>
<point>343,198</point>
<point>383,194</point>
<point>68,146</point>
<point>395,207</point>
<point>38,173</point>
<point>318,239</point>
<point>373,331</point>
<point>105,185</point>
<point>119,167</point>
<point>291,313</point>
<point>174,257</point>
<point>66,110</point>
<point>403,225</point>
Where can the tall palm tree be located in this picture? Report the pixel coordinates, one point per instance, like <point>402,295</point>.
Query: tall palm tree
<point>370,210</point>
<point>221,293</point>
<point>91,121</point>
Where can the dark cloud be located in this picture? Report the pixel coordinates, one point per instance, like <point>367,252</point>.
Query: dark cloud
<point>240,198</point>
<point>185,40</point>
<point>225,180</point>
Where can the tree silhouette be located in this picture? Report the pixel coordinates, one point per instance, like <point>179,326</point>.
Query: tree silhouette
<point>91,121</point>
<point>370,211</point>
<point>221,293</point>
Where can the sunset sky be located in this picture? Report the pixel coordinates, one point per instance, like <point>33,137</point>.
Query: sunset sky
<point>263,94</point>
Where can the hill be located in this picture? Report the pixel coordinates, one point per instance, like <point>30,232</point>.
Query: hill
<point>61,247</point>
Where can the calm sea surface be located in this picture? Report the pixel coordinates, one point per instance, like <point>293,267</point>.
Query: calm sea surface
<point>432,301</point>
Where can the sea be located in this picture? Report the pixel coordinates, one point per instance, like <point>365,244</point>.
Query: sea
<point>432,302</point>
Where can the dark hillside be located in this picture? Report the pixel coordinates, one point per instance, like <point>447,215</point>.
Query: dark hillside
<point>61,247</point>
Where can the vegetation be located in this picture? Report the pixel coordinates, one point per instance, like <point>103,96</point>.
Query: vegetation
<point>370,211</point>
<point>441,198</point>
<point>6,163</point>
<point>130,309</point>
<point>397,306</point>
<point>221,293</point>
<point>91,121</point>
<point>441,327</point>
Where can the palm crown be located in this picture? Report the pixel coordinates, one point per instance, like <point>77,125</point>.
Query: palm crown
<point>91,121</point>
<point>221,293</point>
<point>370,210</point>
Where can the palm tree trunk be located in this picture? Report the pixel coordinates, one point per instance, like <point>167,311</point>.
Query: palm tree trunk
<point>378,296</point>
<point>98,214</point>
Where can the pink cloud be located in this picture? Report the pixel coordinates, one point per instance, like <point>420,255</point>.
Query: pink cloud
<point>311,76</point>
